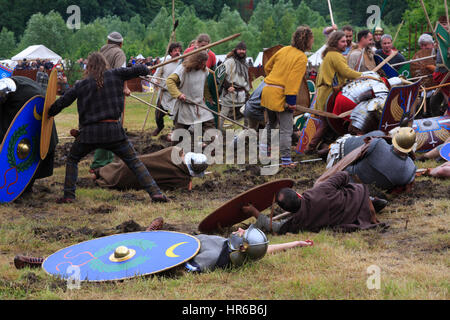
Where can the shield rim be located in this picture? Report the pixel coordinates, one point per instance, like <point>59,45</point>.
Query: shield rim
<point>47,122</point>
<point>441,152</point>
<point>204,226</point>
<point>6,135</point>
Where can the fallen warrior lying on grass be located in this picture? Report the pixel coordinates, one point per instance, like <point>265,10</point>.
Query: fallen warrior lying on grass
<point>334,203</point>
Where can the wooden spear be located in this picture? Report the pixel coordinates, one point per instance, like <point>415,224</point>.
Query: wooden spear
<point>212,111</point>
<point>398,30</point>
<point>382,63</point>
<point>195,51</point>
<point>150,105</point>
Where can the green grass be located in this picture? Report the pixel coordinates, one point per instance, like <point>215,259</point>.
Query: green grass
<point>413,257</point>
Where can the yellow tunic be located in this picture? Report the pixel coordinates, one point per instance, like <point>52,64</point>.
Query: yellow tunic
<point>334,63</point>
<point>285,70</point>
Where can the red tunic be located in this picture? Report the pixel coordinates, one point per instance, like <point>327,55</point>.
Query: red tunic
<point>343,104</point>
<point>211,56</point>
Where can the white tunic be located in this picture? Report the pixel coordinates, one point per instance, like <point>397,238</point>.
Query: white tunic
<point>192,85</point>
<point>167,101</point>
<point>237,98</point>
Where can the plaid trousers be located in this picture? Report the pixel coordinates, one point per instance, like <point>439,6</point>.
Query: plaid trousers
<point>123,149</point>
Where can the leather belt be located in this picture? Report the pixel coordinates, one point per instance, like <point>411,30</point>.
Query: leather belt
<point>109,120</point>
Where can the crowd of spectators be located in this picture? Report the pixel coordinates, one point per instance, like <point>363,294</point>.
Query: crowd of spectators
<point>35,64</point>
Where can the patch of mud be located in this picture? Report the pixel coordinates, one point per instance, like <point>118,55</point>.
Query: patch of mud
<point>63,233</point>
<point>181,227</point>
<point>129,197</point>
<point>103,209</point>
<point>86,182</point>
<point>129,226</point>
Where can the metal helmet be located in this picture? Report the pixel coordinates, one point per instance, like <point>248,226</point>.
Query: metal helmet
<point>253,245</point>
<point>7,85</point>
<point>404,139</point>
<point>196,163</point>
<point>379,30</point>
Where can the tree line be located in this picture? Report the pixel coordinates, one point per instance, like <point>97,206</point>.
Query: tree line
<point>147,25</point>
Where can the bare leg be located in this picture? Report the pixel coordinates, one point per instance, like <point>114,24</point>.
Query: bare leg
<point>443,171</point>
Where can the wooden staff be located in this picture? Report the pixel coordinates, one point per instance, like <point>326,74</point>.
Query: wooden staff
<point>442,82</point>
<point>415,60</point>
<point>331,12</point>
<point>217,89</point>
<point>212,111</point>
<point>428,20</point>
<point>446,15</point>
<point>323,113</point>
<point>378,67</point>
<point>421,77</point>
<point>150,105</point>
<point>271,211</point>
<point>398,30</point>
<point>195,51</point>
<point>437,86</point>
<point>284,214</point>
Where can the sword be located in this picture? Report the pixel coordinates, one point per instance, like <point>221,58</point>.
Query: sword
<point>303,161</point>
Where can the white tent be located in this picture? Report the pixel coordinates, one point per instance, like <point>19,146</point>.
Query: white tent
<point>140,56</point>
<point>37,52</point>
<point>316,58</point>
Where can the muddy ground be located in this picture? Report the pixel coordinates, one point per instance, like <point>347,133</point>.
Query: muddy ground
<point>234,179</point>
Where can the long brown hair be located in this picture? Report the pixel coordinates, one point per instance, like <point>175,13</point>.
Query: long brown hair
<point>195,61</point>
<point>96,67</point>
<point>301,38</point>
<point>332,43</point>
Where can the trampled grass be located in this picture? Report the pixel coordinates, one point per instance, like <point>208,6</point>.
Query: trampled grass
<point>412,255</point>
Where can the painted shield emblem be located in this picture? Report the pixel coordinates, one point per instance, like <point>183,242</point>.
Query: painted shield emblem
<point>400,107</point>
<point>122,256</point>
<point>308,131</point>
<point>19,155</point>
<point>431,132</point>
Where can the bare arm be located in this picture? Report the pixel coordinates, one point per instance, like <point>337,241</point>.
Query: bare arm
<point>274,248</point>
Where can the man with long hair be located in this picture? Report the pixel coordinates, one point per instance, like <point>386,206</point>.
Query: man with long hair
<point>100,103</point>
<point>187,86</point>
<point>333,73</point>
<point>116,58</point>
<point>285,71</point>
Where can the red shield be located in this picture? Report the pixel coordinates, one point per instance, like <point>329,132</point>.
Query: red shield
<point>230,213</point>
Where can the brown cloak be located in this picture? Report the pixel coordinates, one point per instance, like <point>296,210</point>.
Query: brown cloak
<point>167,175</point>
<point>334,203</point>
